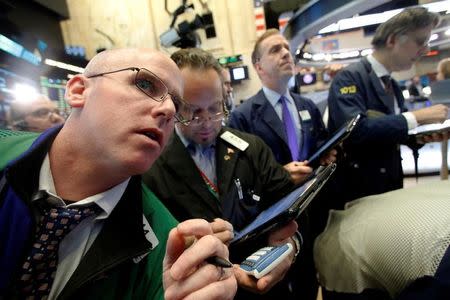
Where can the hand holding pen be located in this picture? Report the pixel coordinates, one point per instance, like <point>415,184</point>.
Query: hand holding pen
<point>191,271</point>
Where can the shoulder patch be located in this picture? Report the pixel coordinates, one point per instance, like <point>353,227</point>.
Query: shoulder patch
<point>351,89</point>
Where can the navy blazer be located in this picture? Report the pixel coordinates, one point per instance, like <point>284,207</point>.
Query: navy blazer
<point>257,116</point>
<point>372,164</point>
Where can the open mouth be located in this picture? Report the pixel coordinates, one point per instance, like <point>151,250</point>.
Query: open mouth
<point>153,134</point>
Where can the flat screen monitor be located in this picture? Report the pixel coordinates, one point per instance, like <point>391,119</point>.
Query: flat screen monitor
<point>308,79</point>
<point>238,73</point>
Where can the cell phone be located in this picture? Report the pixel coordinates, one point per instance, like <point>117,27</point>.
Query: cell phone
<point>265,259</point>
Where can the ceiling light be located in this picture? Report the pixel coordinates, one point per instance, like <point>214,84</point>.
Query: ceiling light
<point>373,19</point>
<point>433,37</point>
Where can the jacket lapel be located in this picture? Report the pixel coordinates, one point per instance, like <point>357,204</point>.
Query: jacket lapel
<point>270,117</point>
<point>181,163</point>
<point>123,227</point>
<point>226,159</point>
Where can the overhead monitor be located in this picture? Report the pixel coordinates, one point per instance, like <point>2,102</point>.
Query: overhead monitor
<point>308,79</point>
<point>238,73</point>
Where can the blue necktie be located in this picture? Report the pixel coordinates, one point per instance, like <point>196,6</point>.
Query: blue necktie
<point>39,269</point>
<point>290,129</point>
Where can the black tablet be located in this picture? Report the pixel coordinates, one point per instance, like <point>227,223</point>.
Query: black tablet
<point>286,209</point>
<point>337,138</point>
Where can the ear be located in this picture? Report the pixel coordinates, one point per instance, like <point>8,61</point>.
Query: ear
<point>392,39</point>
<point>259,70</point>
<point>75,91</point>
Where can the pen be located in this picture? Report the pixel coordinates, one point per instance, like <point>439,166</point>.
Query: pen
<point>239,187</point>
<point>219,262</point>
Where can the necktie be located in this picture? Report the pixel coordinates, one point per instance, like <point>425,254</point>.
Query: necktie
<point>39,269</point>
<point>289,126</point>
<point>387,80</point>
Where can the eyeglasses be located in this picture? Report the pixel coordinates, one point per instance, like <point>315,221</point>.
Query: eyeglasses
<point>44,113</point>
<point>151,85</point>
<point>198,121</point>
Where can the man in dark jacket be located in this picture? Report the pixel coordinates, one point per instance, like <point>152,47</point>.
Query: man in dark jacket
<point>76,221</point>
<point>210,171</point>
<point>270,114</point>
<point>372,162</point>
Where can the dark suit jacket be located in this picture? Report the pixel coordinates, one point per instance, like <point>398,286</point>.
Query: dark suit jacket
<point>373,162</point>
<point>175,179</point>
<point>257,116</point>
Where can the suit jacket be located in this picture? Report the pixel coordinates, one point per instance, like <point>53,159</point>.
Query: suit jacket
<point>373,163</point>
<point>257,116</point>
<point>176,180</point>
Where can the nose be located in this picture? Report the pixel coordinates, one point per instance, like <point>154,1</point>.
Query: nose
<point>56,118</point>
<point>165,109</point>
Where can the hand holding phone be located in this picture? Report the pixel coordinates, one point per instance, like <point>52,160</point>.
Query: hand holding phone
<point>265,259</point>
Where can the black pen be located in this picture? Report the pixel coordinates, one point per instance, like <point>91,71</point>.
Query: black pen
<point>219,262</point>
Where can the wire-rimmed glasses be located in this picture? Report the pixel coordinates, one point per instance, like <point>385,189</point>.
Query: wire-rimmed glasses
<point>151,85</point>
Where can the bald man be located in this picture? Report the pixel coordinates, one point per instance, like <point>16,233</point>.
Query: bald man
<point>36,115</point>
<point>76,220</point>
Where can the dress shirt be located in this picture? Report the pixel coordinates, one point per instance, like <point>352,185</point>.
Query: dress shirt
<point>380,71</point>
<point>274,100</point>
<point>203,156</point>
<point>76,244</point>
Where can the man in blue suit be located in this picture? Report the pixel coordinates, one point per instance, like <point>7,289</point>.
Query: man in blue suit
<point>266,115</point>
<point>372,162</point>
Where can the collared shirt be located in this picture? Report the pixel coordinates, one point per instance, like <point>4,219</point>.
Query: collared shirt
<point>381,71</point>
<point>76,244</point>
<point>274,98</point>
<point>203,156</point>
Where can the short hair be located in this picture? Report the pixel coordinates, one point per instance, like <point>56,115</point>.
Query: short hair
<point>444,67</point>
<point>408,20</point>
<point>196,58</point>
<point>256,55</point>
<point>199,59</point>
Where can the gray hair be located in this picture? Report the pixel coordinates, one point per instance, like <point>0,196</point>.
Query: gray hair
<point>408,20</point>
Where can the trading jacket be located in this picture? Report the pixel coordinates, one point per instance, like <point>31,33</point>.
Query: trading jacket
<point>115,266</point>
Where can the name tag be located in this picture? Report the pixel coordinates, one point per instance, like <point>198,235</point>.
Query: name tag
<point>304,115</point>
<point>234,140</point>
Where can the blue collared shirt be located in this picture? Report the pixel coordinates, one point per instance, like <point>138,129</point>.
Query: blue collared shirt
<point>203,156</point>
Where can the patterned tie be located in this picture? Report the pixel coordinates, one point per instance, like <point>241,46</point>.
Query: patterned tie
<point>387,80</point>
<point>290,129</point>
<point>39,269</point>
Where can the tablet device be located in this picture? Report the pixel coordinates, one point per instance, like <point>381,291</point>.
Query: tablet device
<point>430,129</point>
<point>287,208</point>
<point>338,137</point>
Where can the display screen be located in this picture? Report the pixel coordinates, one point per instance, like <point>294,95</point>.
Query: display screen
<point>308,79</point>
<point>239,73</point>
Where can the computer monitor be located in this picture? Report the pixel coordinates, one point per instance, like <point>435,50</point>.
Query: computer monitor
<point>308,79</point>
<point>238,73</point>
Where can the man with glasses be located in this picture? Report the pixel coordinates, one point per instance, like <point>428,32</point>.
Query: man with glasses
<point>37,115</point>
<point>76,220</point>
<point>213,172</point>
<point>372,163</point>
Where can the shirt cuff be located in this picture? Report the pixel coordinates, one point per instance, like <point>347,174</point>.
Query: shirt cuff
<point>410,120</point>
